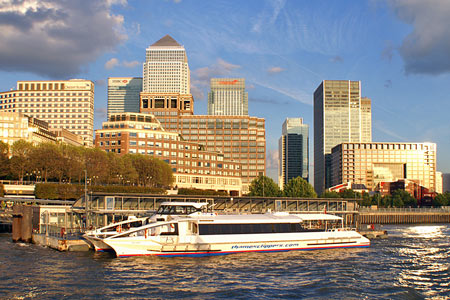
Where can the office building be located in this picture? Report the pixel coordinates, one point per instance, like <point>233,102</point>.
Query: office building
<point>194,165</point>
<point>372,163</point>
<point>340,116</point>
<point>228,97</point>
<point>124,94</point>
<point>439,182</point>
<point>16,126</point>
<point>67,104</point>
<point>293,151</point>
<point>445,182</point>
<point>239,138</point>
<point>166,68</point>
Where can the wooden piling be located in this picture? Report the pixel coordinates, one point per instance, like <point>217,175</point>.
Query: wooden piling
<point>17,223</point>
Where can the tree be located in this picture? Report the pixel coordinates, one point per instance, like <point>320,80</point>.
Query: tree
<point>264,186</point>
<point>442,199</point>
<point>328,194</point>
<point>299,187</point>
<point>96,165</point>
<point>4,160</point>
<point>20,158</point>
<point>48,161</point>
<point>74,158</point>
<point>349,193</point>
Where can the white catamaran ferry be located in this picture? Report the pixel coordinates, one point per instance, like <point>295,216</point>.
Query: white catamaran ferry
<point>95,237</point>
<point>181,229</point>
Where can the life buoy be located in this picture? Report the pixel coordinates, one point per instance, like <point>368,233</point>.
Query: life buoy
<point>145,233</point>
<point>119,229</point>
<point>172,226</point>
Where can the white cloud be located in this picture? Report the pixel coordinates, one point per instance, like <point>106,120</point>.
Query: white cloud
<point>272,159</point>
<point>112,63</point>
<point>200,78</point>
<point>427,48</point>
<point>275,70</point>
<point>268,16</point>
<point>131,64</point>
<point>57,38</point>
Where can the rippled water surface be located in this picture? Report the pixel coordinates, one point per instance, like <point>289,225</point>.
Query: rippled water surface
<point>412,263</point>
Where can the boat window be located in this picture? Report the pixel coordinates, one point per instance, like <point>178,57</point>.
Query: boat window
<point>210,229</point>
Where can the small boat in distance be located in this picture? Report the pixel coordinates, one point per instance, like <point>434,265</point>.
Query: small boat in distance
<point>203,234</point>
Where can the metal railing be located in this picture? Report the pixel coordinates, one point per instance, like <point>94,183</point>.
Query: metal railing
<point>406,209</point>
<point>59,232</point>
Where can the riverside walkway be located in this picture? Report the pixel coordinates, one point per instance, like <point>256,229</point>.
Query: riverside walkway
<point>404,215</point>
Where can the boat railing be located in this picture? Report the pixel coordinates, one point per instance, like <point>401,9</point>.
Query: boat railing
<point>342,229</point>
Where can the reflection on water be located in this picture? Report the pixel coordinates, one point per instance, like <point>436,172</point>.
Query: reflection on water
<point>413,263</point>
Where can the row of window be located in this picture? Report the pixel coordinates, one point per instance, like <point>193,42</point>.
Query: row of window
<point>212,229</point>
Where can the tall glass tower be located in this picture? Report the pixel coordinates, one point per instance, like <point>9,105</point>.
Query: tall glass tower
<point>340,115</point>
<point>124,94</point>
<point>293,151</point>
<point>166,68</point>
<point>228,97</point>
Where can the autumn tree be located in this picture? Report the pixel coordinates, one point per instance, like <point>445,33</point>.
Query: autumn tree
<point>4,160</point>
<point>20,158</point>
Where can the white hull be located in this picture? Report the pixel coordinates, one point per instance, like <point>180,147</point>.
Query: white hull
<point>213,245</point>
<point>98,243</point>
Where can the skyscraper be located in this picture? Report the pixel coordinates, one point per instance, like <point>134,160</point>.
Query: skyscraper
<point>124,94</point>
<point>228,97</point>
<point>340,115</point>
<point>166,68</point>
<point>293,151</point>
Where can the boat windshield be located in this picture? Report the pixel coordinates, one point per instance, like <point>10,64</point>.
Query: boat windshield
<point>176,210</point>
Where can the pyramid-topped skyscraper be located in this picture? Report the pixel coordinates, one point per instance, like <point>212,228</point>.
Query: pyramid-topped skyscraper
<point>166,68</point>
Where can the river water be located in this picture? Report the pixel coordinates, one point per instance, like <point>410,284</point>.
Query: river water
<point>412,263</point>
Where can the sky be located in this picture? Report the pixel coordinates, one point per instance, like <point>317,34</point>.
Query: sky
<point>398,49</point>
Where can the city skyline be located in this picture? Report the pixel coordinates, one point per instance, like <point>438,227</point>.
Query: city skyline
<point>283,49</point>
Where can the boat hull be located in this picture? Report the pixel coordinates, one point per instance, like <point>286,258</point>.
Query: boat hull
<point>160,247</point>
<point>98,244</point>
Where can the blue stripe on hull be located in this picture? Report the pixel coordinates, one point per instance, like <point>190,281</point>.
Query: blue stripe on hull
<point>203,254</point>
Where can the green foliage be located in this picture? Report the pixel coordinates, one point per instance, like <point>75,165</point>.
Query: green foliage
<point>349,193</point>
<point>4,160</point>
<point>328,194</point>
<point>55,191</point>
<point>264,186</point>
<point>442,199</point>
<point>185,191</point>
<point>298,187</point>
<point>21,158</point>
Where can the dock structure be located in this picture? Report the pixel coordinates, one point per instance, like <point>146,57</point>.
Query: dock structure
<point>101,209</point>
<point>404,215</point>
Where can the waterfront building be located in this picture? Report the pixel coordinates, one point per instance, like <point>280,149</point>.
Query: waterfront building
<point>372,163</point>
<point>166,68</point>
<point>67,104</point>
<point>67,137</point>
<point>239,138</point>
<point>340,115</point>
<point>16,126</point>
<point>293,151</point>
<point>228,97</point>
<point>439,187</point>
<point>194,165</point>
<point>124,94</point>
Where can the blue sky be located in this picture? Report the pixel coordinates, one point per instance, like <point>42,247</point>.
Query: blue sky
<point>398,49</point>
